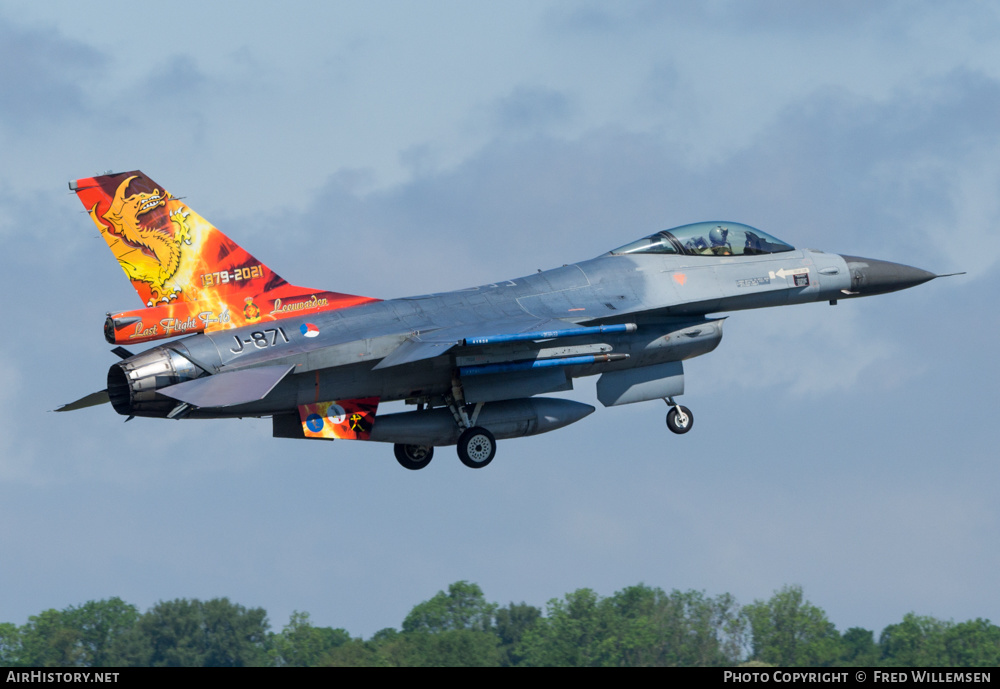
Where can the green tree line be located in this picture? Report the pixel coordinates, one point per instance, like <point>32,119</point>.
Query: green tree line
<point>637,626</point>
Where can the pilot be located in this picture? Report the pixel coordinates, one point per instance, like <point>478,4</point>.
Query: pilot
<point>715,245</point>
<point>719,245</point>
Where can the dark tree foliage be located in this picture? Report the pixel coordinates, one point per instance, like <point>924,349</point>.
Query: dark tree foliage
<point>302,645</point>
<point>355,653</point>
<point>90,635</point>
<point>10,645</point>
<point>511,623</point>
<point>453,629</point>
<point>102,626</point>
<point>975,643</point>
<point>915,642</point>
<point>48,640</point>
<point>448,648</point>
<point>463,607</point>
<point>858,648</point>
<point>920,641</point>
<point>192,633</point>
<point>789,631</point>
<point>637,626</point>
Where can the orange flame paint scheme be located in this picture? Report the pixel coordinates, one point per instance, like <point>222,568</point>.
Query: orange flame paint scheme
<point>339,419</point>
<point>191,277</point>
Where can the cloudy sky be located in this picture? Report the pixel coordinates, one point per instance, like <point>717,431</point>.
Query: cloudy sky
<point>395,148</point>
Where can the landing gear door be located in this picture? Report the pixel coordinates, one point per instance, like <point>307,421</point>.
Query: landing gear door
<point>641,384</point>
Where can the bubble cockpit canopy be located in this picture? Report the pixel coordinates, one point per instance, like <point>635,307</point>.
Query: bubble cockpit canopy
<point>707,239</point>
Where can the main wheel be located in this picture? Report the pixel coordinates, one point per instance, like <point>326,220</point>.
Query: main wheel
<point>476,447</point>
<point>680,419</point>
<point>413,457</point>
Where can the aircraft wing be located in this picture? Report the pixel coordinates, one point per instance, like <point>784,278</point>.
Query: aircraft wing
<point>431,343</point>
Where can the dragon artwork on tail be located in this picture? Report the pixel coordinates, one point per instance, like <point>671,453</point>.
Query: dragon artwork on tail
<point>189,275</point>
<point>148,255</point>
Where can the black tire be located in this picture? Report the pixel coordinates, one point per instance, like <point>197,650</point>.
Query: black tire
<point>413,457</point>
<point>476,447</point>
<point>680,420</point>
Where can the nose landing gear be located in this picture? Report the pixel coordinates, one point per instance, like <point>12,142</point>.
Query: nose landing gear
<point>680,420</point>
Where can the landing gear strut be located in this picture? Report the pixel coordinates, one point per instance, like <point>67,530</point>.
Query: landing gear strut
<point>413,457</point>
<point>476,446</point>
<point>679,418</point>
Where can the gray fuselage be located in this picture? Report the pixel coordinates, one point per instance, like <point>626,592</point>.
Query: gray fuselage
<point>667,296</point>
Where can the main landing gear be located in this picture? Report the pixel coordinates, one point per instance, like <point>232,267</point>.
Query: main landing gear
<point>413,457</point>
<point>680,420</point>
<point>477,446</point>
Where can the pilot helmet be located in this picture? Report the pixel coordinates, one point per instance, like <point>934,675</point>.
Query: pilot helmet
<point>718,236</point>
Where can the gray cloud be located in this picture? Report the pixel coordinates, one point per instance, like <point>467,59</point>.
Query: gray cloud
<point>45,76</point>
<point>885,174</point>
<point>532,108</point>
<point>784,17</point>
<point>835,172</point>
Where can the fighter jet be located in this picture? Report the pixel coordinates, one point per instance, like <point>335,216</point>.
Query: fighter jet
<point>472,363</point>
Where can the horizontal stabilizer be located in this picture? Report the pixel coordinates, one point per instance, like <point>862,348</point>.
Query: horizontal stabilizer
<point>91,400</point>
<point>228,389</point>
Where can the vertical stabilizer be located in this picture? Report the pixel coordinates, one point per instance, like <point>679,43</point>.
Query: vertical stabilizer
<point>190,276</point>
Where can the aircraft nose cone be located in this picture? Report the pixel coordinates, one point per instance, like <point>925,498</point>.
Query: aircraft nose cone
<point>871,276</point>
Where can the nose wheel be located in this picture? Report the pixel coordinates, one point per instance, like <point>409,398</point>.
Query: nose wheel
<point>679,419</point>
